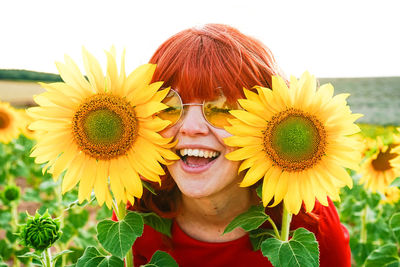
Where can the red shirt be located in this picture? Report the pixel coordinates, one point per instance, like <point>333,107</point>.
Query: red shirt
<point>332,236</point>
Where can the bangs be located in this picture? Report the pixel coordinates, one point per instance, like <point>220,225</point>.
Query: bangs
<point>202,63</point>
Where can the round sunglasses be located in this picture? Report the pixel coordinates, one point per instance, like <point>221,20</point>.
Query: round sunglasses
<point>215,112</point>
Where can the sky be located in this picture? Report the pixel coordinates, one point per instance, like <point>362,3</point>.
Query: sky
<point>341,38</point>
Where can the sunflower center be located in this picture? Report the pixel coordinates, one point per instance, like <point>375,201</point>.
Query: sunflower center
<point>294,140</point>
<point>4,120</point>
<point>381,163</point>
<point>105,126</point>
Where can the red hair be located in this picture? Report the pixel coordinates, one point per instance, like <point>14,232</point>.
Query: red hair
<point>199,63</point>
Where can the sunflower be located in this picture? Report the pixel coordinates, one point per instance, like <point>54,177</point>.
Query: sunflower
<point>377,172</point>
<point>9,128</point>
<point>101,130</point>
<point>25,120</point>
<point>297,140</point>
<point>392,195</point>
<point>395,162</point>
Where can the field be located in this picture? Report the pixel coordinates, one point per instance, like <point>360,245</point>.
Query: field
<point>371,216</point>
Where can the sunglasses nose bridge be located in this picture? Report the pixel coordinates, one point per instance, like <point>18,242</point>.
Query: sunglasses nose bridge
<point>186,107</point>
<point>192,120</point>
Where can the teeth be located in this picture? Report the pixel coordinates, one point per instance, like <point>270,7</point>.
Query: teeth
<point>198,153</point>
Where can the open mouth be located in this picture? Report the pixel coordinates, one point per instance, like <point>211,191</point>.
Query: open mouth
<point>195,158</point>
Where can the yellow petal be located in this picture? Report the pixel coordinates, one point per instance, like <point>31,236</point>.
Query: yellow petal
<point>73,174</point>
<point>154,124</point>
<point>244,153</point>
<point>87,181</point>
<point>256,172</point>
<point>249,118</point>
<point>281,188</point>
<point>93,71</point>
<point>306,191</point>
<point>115,181</point>
<point>149,109</point>
<point>139,78</point>
<point>242,141</point>
<point>101,182</point>
<point>338,172</point>
<point>256,108</point>
<point>131,180</point>
<point>247,163</point>
<point>292,198</point>
<point>269,184</point>
<point>242,129</point>
<point>143,94</point>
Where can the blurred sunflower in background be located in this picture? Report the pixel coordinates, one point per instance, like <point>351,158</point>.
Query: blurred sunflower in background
<point>392,195</point>
<point>378,171</point>
<point>9,128</point>
<point>395,162</point>
<point>24,121</point>
<point>297,140</point>
<point>100,129</point>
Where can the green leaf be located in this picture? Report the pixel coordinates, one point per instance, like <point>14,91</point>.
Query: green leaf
<point>373,200</point>
<point>259,191</point>
<point>6,249</point>
<point>249,220</point>
<point>148,186</point>
<point>396,182</point>
<point>394,224</point>
<point>78,219</point>
<point>258,236</point>
<point>385,256</point>
<point>301,250</point>
<point>2,263</point>
<point>92,258</point>
<point>118,237</point>
<point>159,224</point>
<point>31,255</point>
<point>68,232</point>
<point>161,259</point>
<point>59,254</point>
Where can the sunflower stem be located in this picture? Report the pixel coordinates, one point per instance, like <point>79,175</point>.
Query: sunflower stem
<point>363,231</point>
<point>286,219</point>
<point>120,210</point>
<point>276,231</point>
<point>47,257</point>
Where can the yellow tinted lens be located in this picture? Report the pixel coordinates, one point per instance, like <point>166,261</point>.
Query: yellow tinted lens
<point>174,110</point>
<point>217,112</point>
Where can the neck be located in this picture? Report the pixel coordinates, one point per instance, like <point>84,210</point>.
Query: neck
<point>206,218</point>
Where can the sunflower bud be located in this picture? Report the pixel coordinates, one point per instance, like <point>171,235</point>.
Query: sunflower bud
<point>10,193</point>
<point>40,231</point>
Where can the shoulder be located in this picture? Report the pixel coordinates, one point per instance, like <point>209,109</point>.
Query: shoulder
<point>147,244</point>
<point>332,236</point>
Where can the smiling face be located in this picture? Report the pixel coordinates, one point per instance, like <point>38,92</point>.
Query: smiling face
<point>203,170</point>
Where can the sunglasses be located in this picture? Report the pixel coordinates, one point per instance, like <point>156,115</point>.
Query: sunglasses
<point>215,112</point>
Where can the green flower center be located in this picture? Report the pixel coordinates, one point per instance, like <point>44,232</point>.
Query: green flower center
<point>4,120</point>
<point>294,140</point>
<point>105,126</point>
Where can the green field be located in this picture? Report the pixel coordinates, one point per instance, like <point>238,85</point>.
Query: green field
<point>378,98</point>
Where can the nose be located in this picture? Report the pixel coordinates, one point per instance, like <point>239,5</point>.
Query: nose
<point>193,122</point>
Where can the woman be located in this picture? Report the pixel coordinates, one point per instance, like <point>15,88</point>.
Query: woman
<point>208,67</point>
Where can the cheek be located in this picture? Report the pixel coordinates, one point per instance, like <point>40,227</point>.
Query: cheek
<point>169,132</point>
<point>220,135</point>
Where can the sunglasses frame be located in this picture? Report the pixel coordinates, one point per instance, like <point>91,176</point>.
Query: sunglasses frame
<point>181,115</point>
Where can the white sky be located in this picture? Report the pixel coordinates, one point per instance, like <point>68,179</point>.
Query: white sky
<point>338,38</point>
